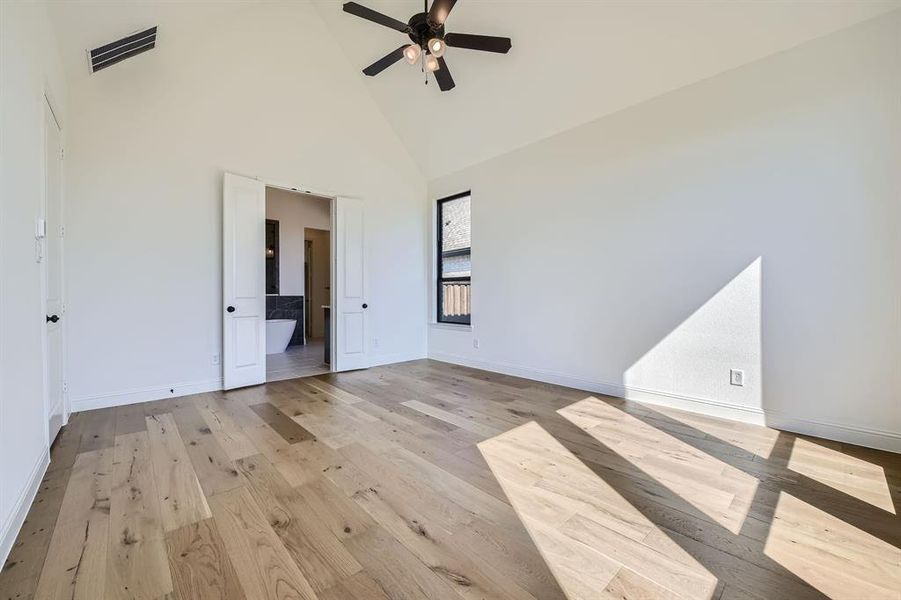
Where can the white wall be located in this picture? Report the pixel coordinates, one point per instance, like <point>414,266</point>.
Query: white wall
<point>749,221</point>
<point>29,66</point>
<point>150,140</point>
<point>294,212</point>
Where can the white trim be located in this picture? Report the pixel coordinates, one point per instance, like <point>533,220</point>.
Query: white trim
<point>20,510</point>
<point>880,439</point>
<point>852,434</point>
<point>145,395</point>
<point>399,357</point>
<point>460,327</point>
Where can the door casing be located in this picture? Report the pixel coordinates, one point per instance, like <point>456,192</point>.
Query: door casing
<point>49,248</point>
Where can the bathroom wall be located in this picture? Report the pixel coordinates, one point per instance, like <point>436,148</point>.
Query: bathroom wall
<point>287,307</point>
<point>294,212</point>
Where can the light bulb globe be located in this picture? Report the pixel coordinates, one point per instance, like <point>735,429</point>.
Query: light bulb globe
<point>437,47</point>
<point>412,53</point>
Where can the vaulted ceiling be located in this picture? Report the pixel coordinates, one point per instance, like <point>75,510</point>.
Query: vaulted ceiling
<point>572,61</point>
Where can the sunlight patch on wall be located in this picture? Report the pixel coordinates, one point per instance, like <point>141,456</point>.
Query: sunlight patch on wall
<point>694,360</point>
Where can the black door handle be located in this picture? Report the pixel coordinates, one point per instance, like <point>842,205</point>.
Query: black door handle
<point>365,305</point>
<point>230,309</point>
<point>52,319</point>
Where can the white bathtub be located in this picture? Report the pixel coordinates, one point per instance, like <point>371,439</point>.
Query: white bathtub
<point>278,334</point>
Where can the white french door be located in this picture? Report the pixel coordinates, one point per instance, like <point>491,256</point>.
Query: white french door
<point>350,314</point>
<point>51,257</point>
<point>244,282</point>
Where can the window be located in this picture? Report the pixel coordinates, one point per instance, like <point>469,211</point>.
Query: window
<point>454,259</point>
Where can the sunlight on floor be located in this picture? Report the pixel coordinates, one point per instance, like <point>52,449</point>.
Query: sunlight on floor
<point>718,490</point>
<point>589,535</point>
<point>818,547</point>
<point>830,466</point>
<point>630,501</point>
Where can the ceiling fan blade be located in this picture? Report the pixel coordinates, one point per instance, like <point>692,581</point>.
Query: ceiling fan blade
<point>443,76</point>
<point>439,11</point>
<point>385,62</point>
<point>486,43</point>
<point>375,16</point>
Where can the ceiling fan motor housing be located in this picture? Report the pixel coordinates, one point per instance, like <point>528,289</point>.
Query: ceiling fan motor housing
<point>421,31</point>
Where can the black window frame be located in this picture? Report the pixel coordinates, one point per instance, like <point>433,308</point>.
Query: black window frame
<point>439,291</point>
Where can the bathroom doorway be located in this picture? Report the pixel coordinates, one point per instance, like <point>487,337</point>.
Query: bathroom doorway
<point>298,283</point>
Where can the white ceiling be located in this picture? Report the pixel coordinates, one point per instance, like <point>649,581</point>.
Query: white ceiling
<point>572,60</point>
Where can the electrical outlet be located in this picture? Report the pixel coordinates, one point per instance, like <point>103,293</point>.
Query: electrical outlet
<point>215,359</point>
<point>737,377</point>
<point>375,342</point>
<point>475,343</point>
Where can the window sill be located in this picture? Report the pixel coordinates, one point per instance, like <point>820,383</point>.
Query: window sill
<point>451,326</point>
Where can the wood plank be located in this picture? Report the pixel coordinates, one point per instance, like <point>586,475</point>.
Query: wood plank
<point>137,564</point>
<point>181,498</point>
<point>317,552</point>
<point>263,566</point>
<point>453,418</point>
<point>281,423</point>
<point>228,434</point>
<point>76,564</point>
<point>130,419</point>
<point>215,471</point>
<point>342,516</point>
<point>200,565</point>
<point>359,587</point>
<point>98,430</point>
<point>396,570</point>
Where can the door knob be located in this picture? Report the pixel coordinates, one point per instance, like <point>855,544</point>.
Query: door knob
<point>52,319</point>
<point>365,305</point>
<point>230,309</point>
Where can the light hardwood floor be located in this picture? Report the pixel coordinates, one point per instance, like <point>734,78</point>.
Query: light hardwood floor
<point>432,481</point>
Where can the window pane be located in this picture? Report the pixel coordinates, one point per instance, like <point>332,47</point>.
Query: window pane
<point>454,301</point>
<point>455,224</point>
<point>455,261</point>
<point>456,266</point>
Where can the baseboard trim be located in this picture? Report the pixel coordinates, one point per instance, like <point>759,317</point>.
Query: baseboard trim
<point>145,395</point>
<point>869,437</point>
<point>852,434</point>
<point>17,517</point>
<point>150,394</point>
<point>390,359</point>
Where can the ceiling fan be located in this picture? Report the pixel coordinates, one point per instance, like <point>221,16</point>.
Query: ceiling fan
<point>426,30</point>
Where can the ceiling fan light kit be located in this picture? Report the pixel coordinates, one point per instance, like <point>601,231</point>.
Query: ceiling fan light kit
<point>430,42</point>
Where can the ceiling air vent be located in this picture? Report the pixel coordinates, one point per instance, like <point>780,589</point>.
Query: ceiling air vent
<point>117,51</point>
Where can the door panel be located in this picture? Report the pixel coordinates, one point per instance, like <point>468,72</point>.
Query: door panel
<point>350,310</point>
<point>52,259</point>
<point>244,281</point>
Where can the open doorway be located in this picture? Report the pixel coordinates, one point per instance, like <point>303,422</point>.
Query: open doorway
<point>248,309</point>
<point>298,283</point>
